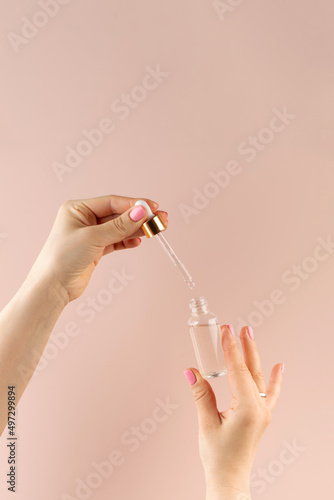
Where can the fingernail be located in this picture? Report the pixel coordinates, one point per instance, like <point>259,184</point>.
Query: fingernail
<point>155,205</point>
<point>137,213</point>
<point>250,332</point>
<point>231,330</point>
<point>283,368</point>
<point>190,376</point>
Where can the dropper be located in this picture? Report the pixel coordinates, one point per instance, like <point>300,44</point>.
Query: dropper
<point>153,227</point>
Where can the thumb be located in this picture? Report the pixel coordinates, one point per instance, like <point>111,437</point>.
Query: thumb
<point>121,227</point>
<point>205,400</point>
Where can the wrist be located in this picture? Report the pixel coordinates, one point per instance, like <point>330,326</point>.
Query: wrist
<point>228,487</point>
<point>226,493</point>
<point>46,285</point>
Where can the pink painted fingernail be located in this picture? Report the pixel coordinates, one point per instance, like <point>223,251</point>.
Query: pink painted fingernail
<point>231,330</point>
<point>137,213</point>
<point>250,332</point>
<point>190,376</point>
<point>283,368</point>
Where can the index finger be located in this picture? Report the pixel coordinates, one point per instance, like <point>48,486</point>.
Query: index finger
<point>239,377</point>
<point>102,206</point>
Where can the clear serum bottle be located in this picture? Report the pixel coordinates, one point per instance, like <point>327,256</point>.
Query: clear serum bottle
<point>206,338</point>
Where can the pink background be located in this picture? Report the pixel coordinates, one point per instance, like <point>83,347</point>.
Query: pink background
<point>226,75</point>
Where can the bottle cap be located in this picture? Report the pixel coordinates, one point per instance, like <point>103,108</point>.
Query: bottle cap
<point>154,224</point>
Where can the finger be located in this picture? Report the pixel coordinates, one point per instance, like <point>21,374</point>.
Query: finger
<point>252,357</point>
<point>274,386</point>
<point>125,244</point>
<point>205,400</point>
<point>239,377</point>
<point>163,216</point>
<point>122,245</point>
<point>103,206</point>
<point>119,229</point>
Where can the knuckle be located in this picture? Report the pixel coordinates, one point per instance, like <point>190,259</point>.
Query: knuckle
<point>79,210</point>
<point>243,369</point>
<point>258,376</point>
<point>66,205</point>
<point>64,209</point>
<point>119,225</point>
<point>201,394</point>
<point>240,368</point>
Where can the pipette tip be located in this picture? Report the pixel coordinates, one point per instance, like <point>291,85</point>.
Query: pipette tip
<point>190,284</point>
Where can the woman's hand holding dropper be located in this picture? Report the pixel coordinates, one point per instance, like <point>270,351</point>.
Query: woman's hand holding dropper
<point>83,232</point>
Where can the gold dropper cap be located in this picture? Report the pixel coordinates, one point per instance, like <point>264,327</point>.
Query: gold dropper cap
<point>154,224</point>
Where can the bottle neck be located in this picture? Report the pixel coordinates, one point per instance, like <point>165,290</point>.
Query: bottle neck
<point>199,305</point>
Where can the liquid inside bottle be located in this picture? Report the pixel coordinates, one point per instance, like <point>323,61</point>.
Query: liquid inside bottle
<point>206,338</point>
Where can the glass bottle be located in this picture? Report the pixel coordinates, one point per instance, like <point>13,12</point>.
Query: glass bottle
<point>206,338</point>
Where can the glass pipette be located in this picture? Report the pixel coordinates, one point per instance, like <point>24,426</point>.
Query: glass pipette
<point>176,261</point>
<point>153,227</point>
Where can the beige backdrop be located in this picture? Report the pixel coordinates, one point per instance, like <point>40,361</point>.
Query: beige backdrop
<point>223,113</point>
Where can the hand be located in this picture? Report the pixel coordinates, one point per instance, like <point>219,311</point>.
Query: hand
<point>229,440</point>
<point>84,231</point>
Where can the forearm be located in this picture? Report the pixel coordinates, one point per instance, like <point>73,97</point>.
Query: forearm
<point>25,326</point>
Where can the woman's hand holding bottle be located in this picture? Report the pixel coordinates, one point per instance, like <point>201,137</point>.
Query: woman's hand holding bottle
<point>228,440</point>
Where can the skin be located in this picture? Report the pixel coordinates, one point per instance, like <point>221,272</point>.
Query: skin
<point>228,440</point>
<point>84,231</point>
